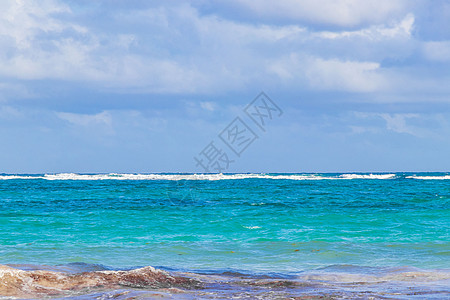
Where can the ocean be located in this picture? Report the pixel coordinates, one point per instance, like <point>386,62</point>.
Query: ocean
<point>221,236</point>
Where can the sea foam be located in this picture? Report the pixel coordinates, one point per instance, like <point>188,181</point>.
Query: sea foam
<point>444,177</point>
<point>208,177</point>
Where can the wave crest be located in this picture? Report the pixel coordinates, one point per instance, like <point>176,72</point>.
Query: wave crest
<point>445,177</point>
<point>208,177</point>
<point>30,284</point>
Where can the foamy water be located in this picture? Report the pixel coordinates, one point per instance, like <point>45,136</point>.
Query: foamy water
<point>148,282</point>
<point>211,177</point>
<point>444,177</point>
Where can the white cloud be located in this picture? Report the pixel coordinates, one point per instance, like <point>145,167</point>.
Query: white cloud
<point>181,51</point>
<point>41,45</point>
<point>344,75</point>
<point>22,20</point>
<point>103,118</point>
<point>111,60</point>
<point>398,123</point>
<point>68,60</point>
<point>208,105</point>
<point>329,74</point>
<point>335,12</point>
<point>400,29</point>
<point>420,125</point>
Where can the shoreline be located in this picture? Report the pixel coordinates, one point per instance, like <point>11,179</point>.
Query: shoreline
<point>77,281</point>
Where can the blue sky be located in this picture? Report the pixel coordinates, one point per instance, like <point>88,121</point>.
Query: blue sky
<point>144,86</point>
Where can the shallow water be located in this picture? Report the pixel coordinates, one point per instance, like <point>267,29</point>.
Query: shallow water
<point>232,235</point>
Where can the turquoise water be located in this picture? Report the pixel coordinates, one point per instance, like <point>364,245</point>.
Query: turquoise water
<point>276,224</point>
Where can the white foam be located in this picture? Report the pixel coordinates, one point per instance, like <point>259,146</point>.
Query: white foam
<point>8,177</point>
<point>210,177</point>
<point>368,176</point>
<point>417,276</point>
<point>444,177</point>
<point>252,227</point>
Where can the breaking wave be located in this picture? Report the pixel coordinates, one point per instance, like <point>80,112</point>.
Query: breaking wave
<point>214,177</point>
<point>444,177</point>
<point>210,177</point>
<point>44,283</point>
<point>339,281</point>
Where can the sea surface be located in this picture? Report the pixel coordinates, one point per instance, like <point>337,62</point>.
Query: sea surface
<point>221,236</point>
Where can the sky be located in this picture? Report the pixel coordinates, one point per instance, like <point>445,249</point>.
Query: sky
<point>148,86</point>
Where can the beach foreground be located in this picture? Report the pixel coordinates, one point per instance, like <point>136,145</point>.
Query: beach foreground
<point>335,283</point>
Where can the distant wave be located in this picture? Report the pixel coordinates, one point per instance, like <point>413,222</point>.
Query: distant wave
<point>7,177</point>
<point>368,176</point>
<point>210,177</point>
<point>213,177</point>
<point>444,177</point>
